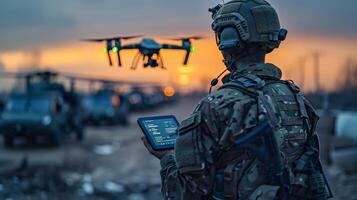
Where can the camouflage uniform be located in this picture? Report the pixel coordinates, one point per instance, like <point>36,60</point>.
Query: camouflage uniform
<point>255,137</point>
<point>204,146</point>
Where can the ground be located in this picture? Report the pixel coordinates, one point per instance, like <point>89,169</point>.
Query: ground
<point>111,163</point>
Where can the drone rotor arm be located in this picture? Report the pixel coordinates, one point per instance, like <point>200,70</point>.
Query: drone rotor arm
<point>130,46</point>
<point>172,46</point>
<point>186,48</point>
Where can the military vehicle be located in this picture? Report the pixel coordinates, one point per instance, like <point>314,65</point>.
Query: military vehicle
<point>344,152</point>
<point>113,101</point>
<point>36,115</point>
<point>153,97</point>
<point>136,99</point>
<point>106,105</point>
<point>22,110</point>
<point>148,49</point>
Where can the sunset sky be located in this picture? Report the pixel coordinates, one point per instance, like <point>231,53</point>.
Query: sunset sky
<point>47,33</point>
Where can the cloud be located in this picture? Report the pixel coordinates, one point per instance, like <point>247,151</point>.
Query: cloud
<point>42,23</point>
<point>322,17</point>
<point>33,24</point>
<point>2,66</point>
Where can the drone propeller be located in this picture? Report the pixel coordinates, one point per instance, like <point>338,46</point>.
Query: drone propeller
<point>127,37</point>
<point>109,45</point>
<point>110,38</point>
<point>196,37</point>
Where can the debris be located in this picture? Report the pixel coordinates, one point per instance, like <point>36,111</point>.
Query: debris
<point>136,197</point>
<point>87,186</point>
<point>104,150</point>
<point>114,187</point>
<point>46,182</point>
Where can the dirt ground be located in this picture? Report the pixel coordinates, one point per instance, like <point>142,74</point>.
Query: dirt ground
<point>111,163</point>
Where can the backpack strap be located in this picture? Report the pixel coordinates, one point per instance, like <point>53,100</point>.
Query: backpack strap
<point>252,86</point>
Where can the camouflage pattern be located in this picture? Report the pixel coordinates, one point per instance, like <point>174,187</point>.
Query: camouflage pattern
<point>204,149</point>
<point>211,161</point>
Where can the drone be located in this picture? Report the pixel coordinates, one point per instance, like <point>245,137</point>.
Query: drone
<point>148,49</point>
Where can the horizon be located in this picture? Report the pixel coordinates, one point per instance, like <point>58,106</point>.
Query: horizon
<point>47,34</point>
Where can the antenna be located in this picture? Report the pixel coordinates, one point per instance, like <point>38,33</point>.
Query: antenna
<point>316,59</point>
<point>302,68</point>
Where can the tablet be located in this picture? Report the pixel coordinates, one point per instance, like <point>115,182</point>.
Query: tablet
<point>161,131</point>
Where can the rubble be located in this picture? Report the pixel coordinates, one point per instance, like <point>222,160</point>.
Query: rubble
<point>46,182</point>
<point>104,150</point>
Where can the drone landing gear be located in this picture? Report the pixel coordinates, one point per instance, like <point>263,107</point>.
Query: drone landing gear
<point>148,61</point>
<point>135,62</point>
<point>161,60</point>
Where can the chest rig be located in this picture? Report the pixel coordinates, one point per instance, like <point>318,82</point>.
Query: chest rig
<point>260,157</point>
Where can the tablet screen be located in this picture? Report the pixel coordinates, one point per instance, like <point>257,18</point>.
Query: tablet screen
<point>161,131</point>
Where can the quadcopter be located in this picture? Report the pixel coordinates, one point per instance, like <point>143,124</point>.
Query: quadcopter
<point>148,49</point>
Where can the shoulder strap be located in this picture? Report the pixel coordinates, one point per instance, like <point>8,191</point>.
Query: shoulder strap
<point>252,85</point>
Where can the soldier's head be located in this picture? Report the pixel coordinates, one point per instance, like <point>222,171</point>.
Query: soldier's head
<point>246,28</point>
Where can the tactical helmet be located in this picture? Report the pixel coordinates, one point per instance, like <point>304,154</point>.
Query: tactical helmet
<point>240,23</point>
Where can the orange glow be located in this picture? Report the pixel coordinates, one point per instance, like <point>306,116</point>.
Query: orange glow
<point>205,64</point>
<point>169,91</point>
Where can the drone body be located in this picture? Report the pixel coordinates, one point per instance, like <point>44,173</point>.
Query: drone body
<point>148,50</point>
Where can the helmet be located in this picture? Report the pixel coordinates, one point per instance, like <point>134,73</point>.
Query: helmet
<point>241,24</point>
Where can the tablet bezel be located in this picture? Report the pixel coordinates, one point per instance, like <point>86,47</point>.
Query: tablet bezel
<point>150,137</point>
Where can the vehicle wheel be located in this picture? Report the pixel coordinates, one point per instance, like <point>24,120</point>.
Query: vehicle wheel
<point>8,141</point>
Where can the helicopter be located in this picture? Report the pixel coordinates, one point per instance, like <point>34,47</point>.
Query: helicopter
<point>148,49</point>
<point>41,109</point>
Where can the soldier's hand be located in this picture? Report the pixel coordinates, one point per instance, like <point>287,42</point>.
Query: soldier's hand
<point>157,154</point>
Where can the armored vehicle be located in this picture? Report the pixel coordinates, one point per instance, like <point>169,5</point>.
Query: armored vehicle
<point>38,115</point>
<point>107,106</point>
<point>23,105</point>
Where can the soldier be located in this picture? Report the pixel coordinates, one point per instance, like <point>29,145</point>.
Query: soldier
<point>255,137</point>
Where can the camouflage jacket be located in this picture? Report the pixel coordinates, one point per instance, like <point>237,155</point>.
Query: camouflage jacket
<point>203,148</point>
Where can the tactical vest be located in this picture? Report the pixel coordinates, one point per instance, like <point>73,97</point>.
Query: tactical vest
<point>241,173</point>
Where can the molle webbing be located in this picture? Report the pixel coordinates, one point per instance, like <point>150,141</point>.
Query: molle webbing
<point>253,86</point>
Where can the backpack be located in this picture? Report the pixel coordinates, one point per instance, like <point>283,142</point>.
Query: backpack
<point>263,148</point>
